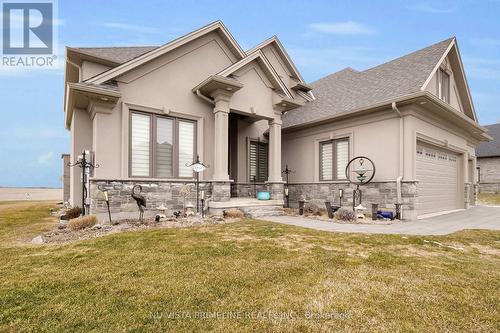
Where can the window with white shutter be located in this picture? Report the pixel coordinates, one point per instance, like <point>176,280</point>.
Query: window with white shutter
<point>186,148</point>
<point>258,161</point>
<point>173,146</point>
<point>342,157</point>
<point>334,156</point>
<point>141,133</point>
<point>164,147</point>
<point>327,161</point>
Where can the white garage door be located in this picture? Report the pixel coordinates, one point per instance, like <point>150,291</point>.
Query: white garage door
<point>437,173</point>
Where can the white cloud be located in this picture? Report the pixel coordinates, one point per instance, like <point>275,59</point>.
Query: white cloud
<point>342,28</point>
<point>45,158</point>
<point>129,27</point>
<point>428,8</point>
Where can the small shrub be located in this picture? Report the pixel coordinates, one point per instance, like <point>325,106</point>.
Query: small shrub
<point>311,208</point>
<point>72,213</point>
<point>290,211</point>
<point>82,222</point>
<point>345,214</point>
<point>233,213</point>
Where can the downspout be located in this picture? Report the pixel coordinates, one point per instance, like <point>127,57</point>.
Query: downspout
<point>401,154</point>
<point>203,97</point>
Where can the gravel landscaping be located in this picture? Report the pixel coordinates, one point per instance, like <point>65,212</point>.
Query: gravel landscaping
<point>64,235</point>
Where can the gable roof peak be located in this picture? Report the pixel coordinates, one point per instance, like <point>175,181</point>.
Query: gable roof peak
<point>167,47</point>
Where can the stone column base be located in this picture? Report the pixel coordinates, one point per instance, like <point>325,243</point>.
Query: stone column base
<point>221,191</point>
<point>276,190</point>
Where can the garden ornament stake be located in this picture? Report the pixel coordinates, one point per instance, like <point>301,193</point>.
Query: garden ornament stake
<point>287,191</point>
<point>363,171</point>
<point>197,167</point>
<point>86,167</point>
<point>106,198</point>
<point>141,201</point>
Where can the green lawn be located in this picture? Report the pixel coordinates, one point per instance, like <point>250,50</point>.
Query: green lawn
<point>489,198</point>
<point>275,274</point>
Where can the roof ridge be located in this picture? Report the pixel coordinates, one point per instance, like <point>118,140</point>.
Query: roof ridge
<point>112,47</point>
<point>448,40</point>
<point>345,69</point>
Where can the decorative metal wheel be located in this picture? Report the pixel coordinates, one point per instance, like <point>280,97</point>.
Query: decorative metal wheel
<point>360,170</point>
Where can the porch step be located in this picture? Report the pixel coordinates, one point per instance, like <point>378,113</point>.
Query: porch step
<point>261,211</point>
<point>251,207</point>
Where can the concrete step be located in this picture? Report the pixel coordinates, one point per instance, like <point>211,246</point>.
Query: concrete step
<point>261,211</point>
<point>250,206</point>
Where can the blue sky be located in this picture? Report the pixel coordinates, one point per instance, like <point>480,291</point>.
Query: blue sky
<point>321,37</point>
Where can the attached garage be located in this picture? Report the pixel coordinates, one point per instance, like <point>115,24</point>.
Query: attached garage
<point>438,172</point>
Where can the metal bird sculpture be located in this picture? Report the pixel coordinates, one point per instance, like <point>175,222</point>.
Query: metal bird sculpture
<point>141,201</point>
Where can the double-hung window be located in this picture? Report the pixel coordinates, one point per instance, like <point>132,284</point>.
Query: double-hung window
<point>334,156</point>
<point>444,86</point>
<point>258,161</point>
<point>160,147</point>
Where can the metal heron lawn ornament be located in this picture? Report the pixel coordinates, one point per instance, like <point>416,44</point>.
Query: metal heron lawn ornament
<point>140,199</point>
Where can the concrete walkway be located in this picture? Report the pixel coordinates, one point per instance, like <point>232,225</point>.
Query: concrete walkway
<point>479,217</point>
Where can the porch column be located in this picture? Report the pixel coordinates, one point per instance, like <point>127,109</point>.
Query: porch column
<point>275,151</point>
<point>221,185</point>
<point>275,181</point>
<point>221,111</point>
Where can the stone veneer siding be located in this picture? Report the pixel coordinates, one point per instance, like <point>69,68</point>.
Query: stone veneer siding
<point>247,190</point>
<point>166,193</point>
<point>157,193</point>
<point>489,174</point>
<point>382,193</point>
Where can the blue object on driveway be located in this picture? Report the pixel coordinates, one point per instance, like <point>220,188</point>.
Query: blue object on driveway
<point>263,195</point>
<point>385,215</point>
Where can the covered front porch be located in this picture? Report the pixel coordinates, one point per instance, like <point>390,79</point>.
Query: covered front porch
<point>247,144</point>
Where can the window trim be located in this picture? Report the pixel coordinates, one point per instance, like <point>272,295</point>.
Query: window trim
<point>152,142</point>
<point>334,157</point>
<point>440,87</point>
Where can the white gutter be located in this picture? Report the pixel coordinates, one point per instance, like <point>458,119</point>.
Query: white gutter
<point>401,154</point>
<point>203,97</point>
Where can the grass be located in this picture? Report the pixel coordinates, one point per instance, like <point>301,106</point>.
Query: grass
<point>489,198</point>
<point>266,277</point>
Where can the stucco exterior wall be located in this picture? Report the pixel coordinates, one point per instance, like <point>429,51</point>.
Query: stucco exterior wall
<point>374,136</point>
<point>81,139</point>
<point>162,86</point>
<point>90,69</point>
<point>378,136</point>
<point>489,168</point>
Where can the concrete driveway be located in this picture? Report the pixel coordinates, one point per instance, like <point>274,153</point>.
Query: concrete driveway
<point>479,217</point>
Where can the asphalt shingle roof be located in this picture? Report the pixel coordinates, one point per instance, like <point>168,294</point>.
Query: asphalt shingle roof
<point>349,90</point>
<point>117,54</point>
<point>492,148</point>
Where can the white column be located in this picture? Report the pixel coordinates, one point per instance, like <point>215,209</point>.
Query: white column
<point>221,111</point>
<point>275,150</point>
